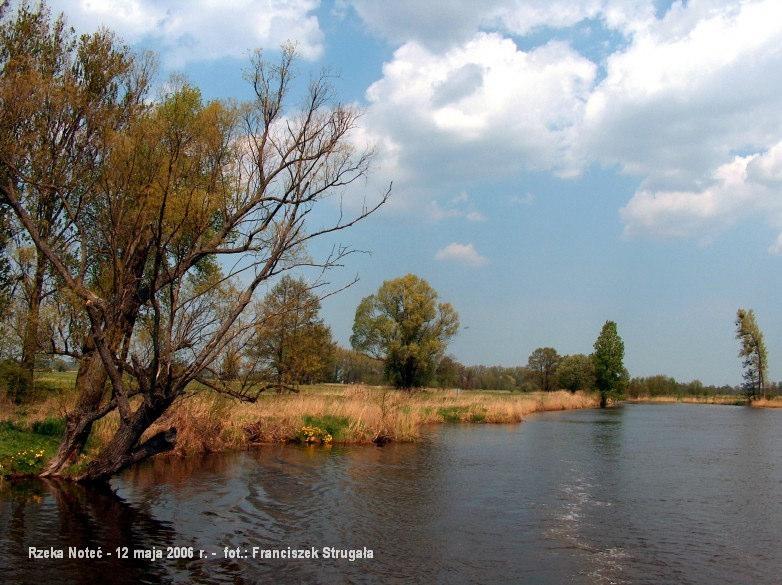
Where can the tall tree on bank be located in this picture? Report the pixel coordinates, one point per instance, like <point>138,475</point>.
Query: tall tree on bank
<point>157,195</point>
<point>292,344</point>
<point>404,325</point>
<point>752,351</point>
<point>611,377</point>
<point>543,364</point>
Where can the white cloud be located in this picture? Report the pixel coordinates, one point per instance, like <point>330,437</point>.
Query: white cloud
<point>462,253</point>
<point>686,92</point>
<point>746,186</point>
<point>690,90</point>
<point>776,247</point>
<point>526,199</point>
<point>458,207</point>
<point>482,109</point>
<point>474,216</point>
<point>204,29</point>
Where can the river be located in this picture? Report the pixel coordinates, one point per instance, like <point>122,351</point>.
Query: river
<point>639,494</point>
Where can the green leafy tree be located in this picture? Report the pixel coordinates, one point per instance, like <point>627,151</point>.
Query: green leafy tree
<point>752,351</point>
<point>404,325</point>
<point>292,344</point>
<point>543,363</point>
<point>576,372</point>
<point>611,377</point>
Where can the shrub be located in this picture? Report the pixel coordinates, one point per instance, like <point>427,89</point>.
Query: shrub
<point>12,379</point>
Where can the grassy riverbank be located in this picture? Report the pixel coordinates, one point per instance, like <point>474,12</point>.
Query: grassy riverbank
<point>327,414</point>
<point>726,399</point>
<point>349,414</point>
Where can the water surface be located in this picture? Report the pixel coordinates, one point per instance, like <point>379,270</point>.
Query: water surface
<point>641,494</point>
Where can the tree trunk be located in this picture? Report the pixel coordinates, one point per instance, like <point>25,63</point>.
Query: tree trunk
<point>124,449</point>
<point>603,400</point>
<point>90,387</point>
<point>30,342</point>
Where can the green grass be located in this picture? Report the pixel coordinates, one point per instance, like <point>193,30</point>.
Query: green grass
<point>24,452</point>
<point>452,414</point>
<point>333,425</point>
<point>50,427</point>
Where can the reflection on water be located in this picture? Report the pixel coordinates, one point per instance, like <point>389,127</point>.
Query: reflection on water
<point>60,515</point>
<point>641,494</point>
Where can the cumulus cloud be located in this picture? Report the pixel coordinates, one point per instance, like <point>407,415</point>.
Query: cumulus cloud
<point>204,29</point>
<point>745,186</point>
<point>462,253</point>
<point>460,101</point>
<point>687,91</point>
<point>485,108</point>
<point>690,90</point>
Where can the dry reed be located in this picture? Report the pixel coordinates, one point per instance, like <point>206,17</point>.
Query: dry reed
<point>206,422</point>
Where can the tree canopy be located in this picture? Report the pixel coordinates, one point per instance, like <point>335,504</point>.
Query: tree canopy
<point>292,345</point>
<point>543,363</point>
<point>611,377</point>
<point>405,325</point>
<point>576,372</point>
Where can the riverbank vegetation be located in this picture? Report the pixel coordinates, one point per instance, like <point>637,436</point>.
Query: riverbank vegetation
<point>325,414</point>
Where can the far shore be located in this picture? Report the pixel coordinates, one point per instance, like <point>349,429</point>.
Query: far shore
<point>724,399</point>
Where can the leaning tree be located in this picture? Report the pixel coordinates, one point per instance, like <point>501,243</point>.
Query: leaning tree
<point>170,215</point>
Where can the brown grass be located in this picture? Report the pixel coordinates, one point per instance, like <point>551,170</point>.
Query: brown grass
<point>206,422</point>
<point>718,399</point>
<point>735,399</point>
<point>775,402</point>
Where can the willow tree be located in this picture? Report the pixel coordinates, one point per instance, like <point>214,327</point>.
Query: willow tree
<point>752,351</point>
<point>175,211</point>
<point>53,133</point>
<point>405,325</point>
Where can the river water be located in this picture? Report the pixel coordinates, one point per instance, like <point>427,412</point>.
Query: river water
<point>638,494</point>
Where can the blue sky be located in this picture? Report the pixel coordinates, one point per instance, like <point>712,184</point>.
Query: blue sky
<point>556,163</point>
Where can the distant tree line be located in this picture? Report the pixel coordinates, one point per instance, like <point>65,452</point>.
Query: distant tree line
<point>660,385</point>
